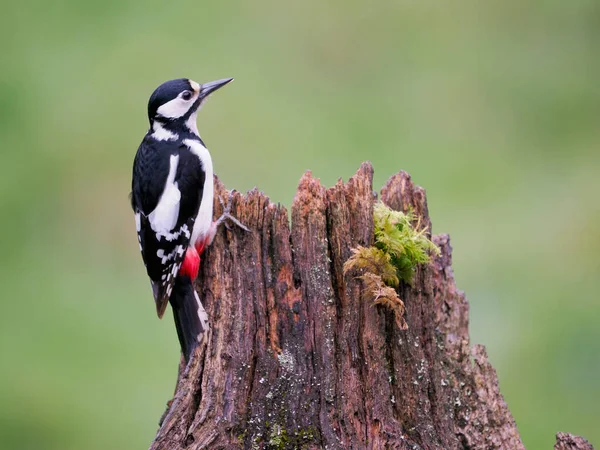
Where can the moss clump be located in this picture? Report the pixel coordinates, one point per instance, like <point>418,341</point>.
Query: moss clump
<point>277,437</point>
<point>373,260</point>
<point>399,247</point>
<point>406,243</point>
<point>280,439</point>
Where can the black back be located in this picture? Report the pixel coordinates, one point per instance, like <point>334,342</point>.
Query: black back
<point>150,171</point>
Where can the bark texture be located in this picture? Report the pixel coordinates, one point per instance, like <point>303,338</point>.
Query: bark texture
<point>566,441</point>
<point>297,358</point>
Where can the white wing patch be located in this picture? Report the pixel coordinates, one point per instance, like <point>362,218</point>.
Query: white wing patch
<point>164,217</point>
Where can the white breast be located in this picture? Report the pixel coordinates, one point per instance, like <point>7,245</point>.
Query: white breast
<point>205,214</point>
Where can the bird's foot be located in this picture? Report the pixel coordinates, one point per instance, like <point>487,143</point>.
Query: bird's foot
<point>227,215</point>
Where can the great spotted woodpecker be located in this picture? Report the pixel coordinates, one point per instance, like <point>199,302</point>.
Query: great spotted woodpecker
<point>172,198</point>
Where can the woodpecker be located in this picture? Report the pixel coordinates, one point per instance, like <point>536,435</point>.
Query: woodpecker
<point>172,199</point>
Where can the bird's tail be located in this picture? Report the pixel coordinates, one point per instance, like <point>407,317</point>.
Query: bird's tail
<point>190,316</point>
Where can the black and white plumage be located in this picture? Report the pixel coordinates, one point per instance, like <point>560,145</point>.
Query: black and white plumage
<point>172,198</point>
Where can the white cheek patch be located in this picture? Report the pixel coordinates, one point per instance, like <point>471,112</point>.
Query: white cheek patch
<point>177,107</point>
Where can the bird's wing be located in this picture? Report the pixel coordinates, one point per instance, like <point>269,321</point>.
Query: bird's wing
<point>163,254</point>
<point>166,194</point>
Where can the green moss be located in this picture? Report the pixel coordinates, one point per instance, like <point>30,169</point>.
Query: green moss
<point>405,244</point>
<point>278,437</point>
<point>399,248</point>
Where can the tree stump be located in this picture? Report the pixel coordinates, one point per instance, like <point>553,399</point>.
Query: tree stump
<point>566,441</point>
<point>297,358</point>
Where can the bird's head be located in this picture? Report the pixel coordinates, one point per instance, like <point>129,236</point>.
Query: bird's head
<point>175,103</point>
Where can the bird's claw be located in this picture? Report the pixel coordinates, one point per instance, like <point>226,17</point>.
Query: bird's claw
<point>227,207</point>
<point>226,215</point>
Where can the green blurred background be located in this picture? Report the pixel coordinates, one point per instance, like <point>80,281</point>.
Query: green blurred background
<point>493,107</point>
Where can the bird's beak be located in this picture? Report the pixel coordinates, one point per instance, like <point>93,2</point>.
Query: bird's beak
<point>208,88</point>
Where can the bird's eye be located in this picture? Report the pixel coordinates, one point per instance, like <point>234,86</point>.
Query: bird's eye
<point>186,95</point>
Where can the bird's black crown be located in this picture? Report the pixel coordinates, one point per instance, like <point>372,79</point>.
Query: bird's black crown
<point>166,92</point>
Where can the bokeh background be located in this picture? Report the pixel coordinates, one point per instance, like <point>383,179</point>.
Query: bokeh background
<point>493,107</point>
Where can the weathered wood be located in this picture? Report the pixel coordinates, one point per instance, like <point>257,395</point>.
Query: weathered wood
<point>566,441</point>
<point>296,358</point>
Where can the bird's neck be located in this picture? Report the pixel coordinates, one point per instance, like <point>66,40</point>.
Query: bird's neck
<point>175,130</point>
